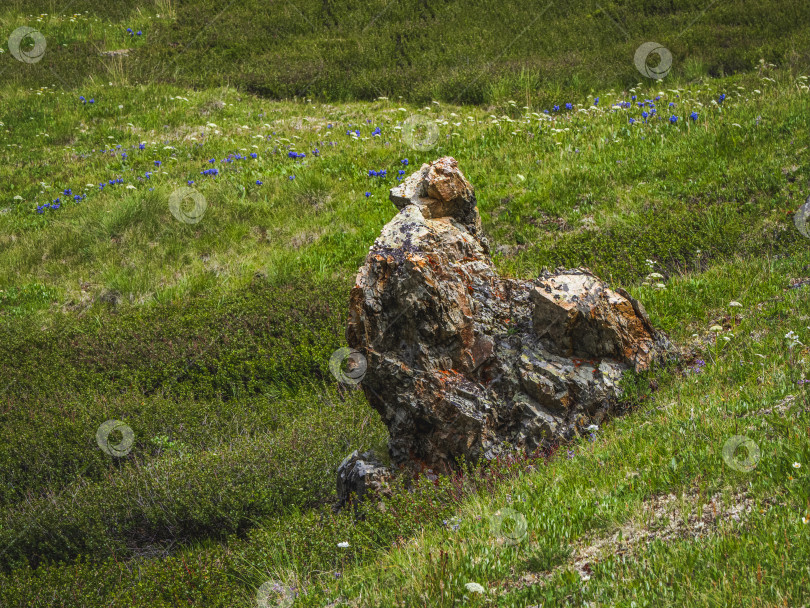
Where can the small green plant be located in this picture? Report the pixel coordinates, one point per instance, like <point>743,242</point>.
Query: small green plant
<point>163,444</point>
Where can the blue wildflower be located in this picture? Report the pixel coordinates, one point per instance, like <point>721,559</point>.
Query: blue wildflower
<point>632,120</point>
<point>292,177</point>
<point>673,119</point>
<point>693,115</point>
<point>157,163</point>
<point>568,106</point>
<point>259,182</point>
<point>596,101</point>
<point>253,155</point>
<point>556,108</point>
<point>404,161</point>
<point>372,173</point>
<point>368,194</point>
<point>189,182</point>
<point>375,132</point>
<point>721,98</point>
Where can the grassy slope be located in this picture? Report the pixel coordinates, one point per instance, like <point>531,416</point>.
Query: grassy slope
<point>461,52</point>
<point>223,374</point>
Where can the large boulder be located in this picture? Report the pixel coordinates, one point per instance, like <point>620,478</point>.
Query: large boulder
<point>459,360</point>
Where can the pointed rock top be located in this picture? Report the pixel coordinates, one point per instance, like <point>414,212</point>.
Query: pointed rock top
<point>439,189</point>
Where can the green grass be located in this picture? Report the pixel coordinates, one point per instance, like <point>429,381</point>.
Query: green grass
<point>459,52</point>
<point>212,340</point>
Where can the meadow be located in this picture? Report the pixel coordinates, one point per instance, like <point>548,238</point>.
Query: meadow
<point>206,323</point>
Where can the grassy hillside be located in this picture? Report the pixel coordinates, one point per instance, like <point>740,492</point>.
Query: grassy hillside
<point>457,52</point>
<point>208,329</point>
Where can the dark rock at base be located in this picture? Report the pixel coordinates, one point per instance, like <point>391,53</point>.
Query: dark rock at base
<point>360,474</point>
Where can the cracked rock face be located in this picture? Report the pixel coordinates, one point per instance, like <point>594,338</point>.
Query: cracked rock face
<point>460,360</point>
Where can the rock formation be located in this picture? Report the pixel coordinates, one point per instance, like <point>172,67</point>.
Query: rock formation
<point>460,360</point>
<point>359,474</point>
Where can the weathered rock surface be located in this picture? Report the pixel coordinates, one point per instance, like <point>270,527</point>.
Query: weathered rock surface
<point>460,360</point>
<point>359,474</point>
